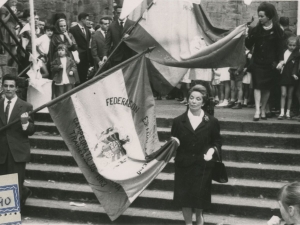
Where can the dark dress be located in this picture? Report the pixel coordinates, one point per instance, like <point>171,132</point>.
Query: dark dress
<point>290,68</point>
<point>192,173</point>
<point>267,52</point>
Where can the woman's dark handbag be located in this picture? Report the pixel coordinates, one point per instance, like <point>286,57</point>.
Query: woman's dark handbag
<point>219,173</point>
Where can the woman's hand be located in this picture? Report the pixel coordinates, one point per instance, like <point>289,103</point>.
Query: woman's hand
<point>280,65</point>
<point>275,220</point>
<point>295,77</point>
<point>209,154</point>
<point>71,73</point>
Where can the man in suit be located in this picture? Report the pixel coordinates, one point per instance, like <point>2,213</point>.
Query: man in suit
<point>98,42</point>
<point>82,37</point>
<point>116,30</point>
<point>14,142</point>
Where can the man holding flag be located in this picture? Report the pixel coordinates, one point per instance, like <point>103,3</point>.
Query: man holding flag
<point>117,29</point>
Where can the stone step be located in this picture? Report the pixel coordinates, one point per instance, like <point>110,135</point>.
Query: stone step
<point>163,182</point>
<point>42,141</point>
<point>255,171</point>
<point>287,141</point>
<point>261,140</point>
<point>230,153</point>
<point>261,155</point>
<point>45,123</point>
<point>268,126</point>
<point>94,213</point>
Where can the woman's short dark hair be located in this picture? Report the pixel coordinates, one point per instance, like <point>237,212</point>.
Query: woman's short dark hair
<point>10,77</point>
<point>82,15</point>
<point>201,89</point>
<point>268,8</point>
<point>49,27</point>
<point>289,195</point>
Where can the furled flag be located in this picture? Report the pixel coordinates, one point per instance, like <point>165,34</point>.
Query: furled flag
<point>129,6</point>
<point>177,28</point>
<point>110,129</point>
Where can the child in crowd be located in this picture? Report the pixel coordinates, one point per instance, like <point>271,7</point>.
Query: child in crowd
<point>224,87</point>
<point>185,86</point>
<point>64,71</point>
<point>247,80</point>
<point>288,76</point>
<point>42,47</point>
<point>216,86</point>
<point>236,81</point>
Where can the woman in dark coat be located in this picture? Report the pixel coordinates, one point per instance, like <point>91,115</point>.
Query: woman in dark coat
<point>266,39</point>
<point>199,137</point>
<point>61,36</point>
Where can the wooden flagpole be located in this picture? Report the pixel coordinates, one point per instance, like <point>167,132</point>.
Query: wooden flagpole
<point>80,87</point>
<point>298,19</point>
<point>33,36</point>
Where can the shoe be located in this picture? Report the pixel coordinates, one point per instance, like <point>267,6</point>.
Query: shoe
<point>230,105</point>
<point>263,117</point>
<point>169,97</point>
<point>222,104</point>
<point>250,106</point>
<point>255,119</point>
<point>237,105</point>
<point>269,114</point>
<point>288,117</point>
<point>280,117</point>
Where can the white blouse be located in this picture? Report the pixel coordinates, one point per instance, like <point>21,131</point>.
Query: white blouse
<point>286,55</point>
<point>195,120</point>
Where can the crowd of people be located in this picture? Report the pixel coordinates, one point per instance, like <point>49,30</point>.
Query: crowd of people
<point>267,82</point>
<point>68,56</point>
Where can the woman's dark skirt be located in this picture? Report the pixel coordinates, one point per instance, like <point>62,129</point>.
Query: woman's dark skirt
<point>264,76</point>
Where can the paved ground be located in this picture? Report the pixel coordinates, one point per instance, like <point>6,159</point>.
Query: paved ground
<point>38,221</point>
<point>172,108</point>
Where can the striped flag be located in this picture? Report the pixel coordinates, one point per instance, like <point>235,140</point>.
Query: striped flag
<point>2,2</point>
<point>178,29</point>
<point>110,129</point>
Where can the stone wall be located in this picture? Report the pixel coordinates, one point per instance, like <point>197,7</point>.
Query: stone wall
<point>95,8</point>
<point>228,14</point>
<point>223,13</point>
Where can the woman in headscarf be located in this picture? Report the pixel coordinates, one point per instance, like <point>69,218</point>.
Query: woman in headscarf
<point>61,36</point>
<point>265,39</point>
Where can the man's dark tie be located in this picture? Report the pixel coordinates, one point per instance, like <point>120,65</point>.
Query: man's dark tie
<point>121,25</point>
<point>83,31</point>
<point>7,110</point>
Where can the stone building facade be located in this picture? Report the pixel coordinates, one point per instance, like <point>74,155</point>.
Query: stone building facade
<point>223,13</point>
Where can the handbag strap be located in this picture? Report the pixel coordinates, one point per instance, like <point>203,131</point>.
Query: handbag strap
<point>218,154</point>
